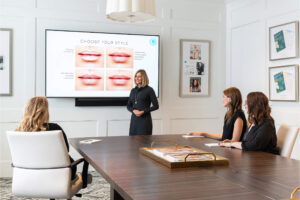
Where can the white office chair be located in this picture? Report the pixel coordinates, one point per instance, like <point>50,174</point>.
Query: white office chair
<point>286,136</point>
<point>41,166</point>
<point>296,149</point>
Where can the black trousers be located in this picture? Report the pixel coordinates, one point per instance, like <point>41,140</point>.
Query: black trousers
<point>140,125</point>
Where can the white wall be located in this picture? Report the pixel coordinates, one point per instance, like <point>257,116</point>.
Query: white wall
<point>176,19</point>
<point>247,52</point>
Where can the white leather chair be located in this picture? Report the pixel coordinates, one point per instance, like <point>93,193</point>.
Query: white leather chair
<point>296,149</point>
<point>41,165</point>
<point>286,136</point>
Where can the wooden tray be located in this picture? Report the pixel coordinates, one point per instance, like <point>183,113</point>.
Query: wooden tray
<point>180,156</point>
<point>293,194</point>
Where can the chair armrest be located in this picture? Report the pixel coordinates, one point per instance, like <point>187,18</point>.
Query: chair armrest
<point>75,163</point>
<point>84,170</point>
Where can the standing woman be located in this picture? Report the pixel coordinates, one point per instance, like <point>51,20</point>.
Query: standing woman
<point>261,135</point>
<point>235,123</point>
<point>139,104</point>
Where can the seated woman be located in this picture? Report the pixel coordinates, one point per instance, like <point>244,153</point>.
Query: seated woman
<point>36,118</point>
<point>235,123</point>
<point>261,134</point>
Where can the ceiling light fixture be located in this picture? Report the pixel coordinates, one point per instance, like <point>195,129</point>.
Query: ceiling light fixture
<point>130,10</point>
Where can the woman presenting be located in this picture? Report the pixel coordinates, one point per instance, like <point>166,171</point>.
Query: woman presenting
<point>139,104</point>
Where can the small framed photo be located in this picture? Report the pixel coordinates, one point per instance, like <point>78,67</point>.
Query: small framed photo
<point>5,62</point>
<point>283,83</point>
<point>283,41</point>
<point>194,68</point>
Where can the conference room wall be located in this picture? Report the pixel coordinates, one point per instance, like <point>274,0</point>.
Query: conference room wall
<point>247,50</point>
<point>176,19</point>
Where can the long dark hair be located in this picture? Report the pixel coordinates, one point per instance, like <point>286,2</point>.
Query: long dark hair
<point>258,108</point>
<point>235,104</point>
<point>195,86</point>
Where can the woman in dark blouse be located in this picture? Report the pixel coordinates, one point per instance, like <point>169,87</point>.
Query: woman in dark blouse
<point>139,104</point>
<point>235,123</point>
<point>261,134</point>
<point>36,118</point>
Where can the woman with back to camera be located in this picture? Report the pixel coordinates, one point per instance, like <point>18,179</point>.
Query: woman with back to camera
<point>235,123</point>
<point>261,134</point>
<point>36,118</point>
<point>139,104</point>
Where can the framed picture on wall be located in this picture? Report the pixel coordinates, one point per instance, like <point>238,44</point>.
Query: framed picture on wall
<point>194,68</point>
<point>283,83</point>
<point>283,41</point>
<point>5,62</point>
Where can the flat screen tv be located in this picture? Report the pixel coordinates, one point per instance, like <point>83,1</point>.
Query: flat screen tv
<point>98,65</point>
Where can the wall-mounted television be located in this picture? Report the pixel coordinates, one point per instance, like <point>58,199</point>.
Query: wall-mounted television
<point>98,65</point>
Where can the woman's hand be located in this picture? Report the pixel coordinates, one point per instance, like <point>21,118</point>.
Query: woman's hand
<point>227,140</point>
<point>225,144</point>
<point>196,133</point>
<point>138,113</point>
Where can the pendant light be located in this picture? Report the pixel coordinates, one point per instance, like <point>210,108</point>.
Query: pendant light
<point>130,10</point>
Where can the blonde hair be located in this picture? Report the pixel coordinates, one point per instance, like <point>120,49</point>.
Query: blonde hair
<point>35,115</point>
<point>145,78</point>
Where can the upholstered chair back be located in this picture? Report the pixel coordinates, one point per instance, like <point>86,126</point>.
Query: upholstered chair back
<point>41,165</point>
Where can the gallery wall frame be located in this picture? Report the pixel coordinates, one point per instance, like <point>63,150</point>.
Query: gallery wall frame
<point>6,41</point>
<point>194,68</point>
<point>283,41</point>
<point>283,83</point>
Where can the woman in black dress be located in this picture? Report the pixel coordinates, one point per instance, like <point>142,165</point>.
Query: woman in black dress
<point>235,123</point>
<point>36,118</point>
<point>139,104</point>
<point>261,134</point>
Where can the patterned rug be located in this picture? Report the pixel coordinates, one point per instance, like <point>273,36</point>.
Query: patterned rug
<point>98,189</point>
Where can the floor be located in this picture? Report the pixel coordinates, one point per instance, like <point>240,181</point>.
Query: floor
<point>99,189</point>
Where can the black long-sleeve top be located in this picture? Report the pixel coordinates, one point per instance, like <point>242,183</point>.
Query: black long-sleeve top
<point>261,137</point>
<point>56,127</point>
<point>141,99</point>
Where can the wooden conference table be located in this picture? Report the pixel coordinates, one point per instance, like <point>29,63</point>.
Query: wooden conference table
<point>249,175</point>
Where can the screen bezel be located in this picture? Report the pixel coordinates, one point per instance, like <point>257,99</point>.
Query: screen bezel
<point>99,97</point>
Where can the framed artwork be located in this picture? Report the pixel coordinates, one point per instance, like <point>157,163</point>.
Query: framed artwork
<point>283,83</point>
<point>283,41</point>
<point>5,62</point>
<point>194,68</point>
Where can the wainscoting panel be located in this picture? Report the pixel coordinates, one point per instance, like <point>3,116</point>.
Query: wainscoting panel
<point>79,129</point>
<point>5,158</point>
<point>183,126</point>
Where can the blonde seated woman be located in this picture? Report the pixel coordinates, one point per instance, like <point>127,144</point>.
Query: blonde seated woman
<point>235,123</point>
<point>36,118</point>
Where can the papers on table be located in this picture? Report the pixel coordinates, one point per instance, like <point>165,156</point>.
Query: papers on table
<point>179,154</point>
<point>90,141</point>
<point>191,136</point>
<point>212,144</point>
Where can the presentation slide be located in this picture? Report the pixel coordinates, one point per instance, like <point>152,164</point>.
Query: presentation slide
<point>85,64</point>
